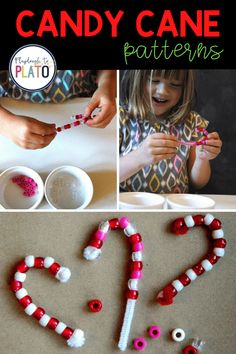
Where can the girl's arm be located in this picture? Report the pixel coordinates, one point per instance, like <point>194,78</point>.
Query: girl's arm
<point>199,160</point>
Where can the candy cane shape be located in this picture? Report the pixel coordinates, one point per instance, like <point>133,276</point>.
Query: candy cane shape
<point>74,338</point>
<point>79,121</point>
<point>180,227</point>
<point>93,251</point>
<point>200,142</point>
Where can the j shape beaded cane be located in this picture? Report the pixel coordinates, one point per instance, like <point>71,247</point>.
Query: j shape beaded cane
<point>79,119</point>
<point>180,227</point>
<point>93,251</point>
<point>74,338</point>
<point>200,142</point>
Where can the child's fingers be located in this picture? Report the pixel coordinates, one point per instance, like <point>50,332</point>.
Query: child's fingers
<point>43,129</point>
<point>163,136</point>
<point>213,135</point>
<point>212,150</point>
<point>214,142</point>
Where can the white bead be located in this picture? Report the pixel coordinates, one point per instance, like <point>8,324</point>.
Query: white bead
<point>218,234</point>
<point>191,274</point>
<point>206,265</point>
<point>91,253</point>
<point>60,327</point>
<point>104,226</point>
<point>137,256</point>
<point>44,320</point>
<point>177,285</point>
<point>189,221</point>
<point>220,252</point>
<point>48,261</point>
<point>29,261</point>
<point>21,293</point>
<point>178,335</point>
<point>63,274</point>
<point>77,339</point>
<point>133,284</point>
<point>20,276</point>
<point>130,230</point>
<point>208,219</point>
<point>30,309</point>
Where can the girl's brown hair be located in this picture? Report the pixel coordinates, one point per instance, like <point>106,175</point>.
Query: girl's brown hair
<point>139,104</point>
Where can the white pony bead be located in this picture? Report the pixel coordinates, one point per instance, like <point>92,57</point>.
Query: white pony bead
<point>48,261</point>
<point>220,252</point>
<point>30,309</point>
<point>137,256</point>
<point>20,276</point>
<point>189,221</point>
<point>191,274</point>
<point>178,334</point>
<point>60,327</point>
<point>21,293</point>
<point>133,284</point>
<point>44,320</point>
<point>104,226</point>
<point>218,234</point>
<point>29,261</point>
<point>130,230</point>
<point>208,219</point>
<point>206,265</point>
<point>177,285</point>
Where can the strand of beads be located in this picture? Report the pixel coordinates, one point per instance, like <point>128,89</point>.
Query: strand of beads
<point>93,251</point>
<point>180,227</point>
<point>203,141</point>
<point>80,120</point>
<point>75,338</point>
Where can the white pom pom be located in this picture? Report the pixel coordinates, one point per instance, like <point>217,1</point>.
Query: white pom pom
<point>63,274</point>
<point>91,253</point>
<point>77,339</point>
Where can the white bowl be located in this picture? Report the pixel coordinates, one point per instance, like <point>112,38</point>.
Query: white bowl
<point>11,195</point>
<point>189,201</point>
<point>141,200</point>
<point>68,187</point>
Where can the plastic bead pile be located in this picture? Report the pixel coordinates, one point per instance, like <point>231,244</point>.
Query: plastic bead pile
<point>28,184</point>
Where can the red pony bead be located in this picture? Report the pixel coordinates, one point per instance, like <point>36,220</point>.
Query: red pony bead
<point>136,265</point>
<point>179,227</point>
<point>190,350</point>
<point>221,242</point>
<point>96,243</point>
<point>22,267</point>
<point>132,294</point>
<point>67,333</point>
<point>15,285</point>
<point>184,279</point>
<point>53,322</point>
<point>212,258</point>
<point>54,268</point>
<point>25,301</point>
<point>114,224</point>
<point>38,313</point>
<point>95,305</point>
<point>39,262</point>
<point>215,224</point>
<point>169,291</point>
<point>198,219</point>
<point>198,269</point>
<point>135,238</point>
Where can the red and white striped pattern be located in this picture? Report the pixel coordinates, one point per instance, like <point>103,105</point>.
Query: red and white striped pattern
<point>78,122</point>
<point>75,338</point>
<point>93,251</point>
<point>181,226</point>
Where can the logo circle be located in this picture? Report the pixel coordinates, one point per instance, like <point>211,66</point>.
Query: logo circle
<point>32,67</point>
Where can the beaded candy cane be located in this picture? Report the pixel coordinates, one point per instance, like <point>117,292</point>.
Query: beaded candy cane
<point>93,251</point>
<point>200,142</point>
<point>79,120</point>
<point>180,227</point>
<point>74,338</point>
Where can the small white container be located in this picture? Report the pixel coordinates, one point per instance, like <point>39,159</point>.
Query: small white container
<point>189,201</point>
<point>11,195</point>
<point>68,187</point>
<point>141,200</point>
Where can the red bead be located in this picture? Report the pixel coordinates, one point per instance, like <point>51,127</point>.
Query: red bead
<point>169,291</point>
<point>39,262</point>
<point>22,267</point>
<point>15,285</point>
<point>136,265</point>
<point>67,333</point>
<point>96,243</point>
<point>95,305</point>
<point>59,129</point>
<point>53,322</point>
<point>25,301</point>
<point>212,258</point>
<point>54,268</point>
<point>135,238</point>
<point>215,224</point>
<point>198,269</point>
<point>67,126</point>
<point>198,219</point>
<point>184,279</point>
<point>132,294</point>
<point>114,224</point>
<point>38,313</point>
<point>221,242</point>
<point>179,227</point>
<point>190,350</point>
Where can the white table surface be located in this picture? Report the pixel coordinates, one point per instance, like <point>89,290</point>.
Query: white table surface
<point>93,150</point>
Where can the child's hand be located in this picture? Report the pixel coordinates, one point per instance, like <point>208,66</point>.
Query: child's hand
<point>212,148</point>
<point>107,105</point>
<point>157,147</point>
<point>27,132</point>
